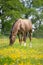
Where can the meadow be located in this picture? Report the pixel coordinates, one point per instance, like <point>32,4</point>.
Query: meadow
<point>20,55</point>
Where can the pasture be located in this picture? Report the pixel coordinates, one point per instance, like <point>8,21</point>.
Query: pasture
<point>20,55</point>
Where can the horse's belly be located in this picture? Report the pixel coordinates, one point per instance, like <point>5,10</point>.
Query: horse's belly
<point>28,27</point>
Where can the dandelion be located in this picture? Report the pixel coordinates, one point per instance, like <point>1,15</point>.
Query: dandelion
<point>21,63</point>
<point>5,64</point>
<point>39,64</point>
<point>12,64</point>
<point>28,63</point>
<point>13,56</point>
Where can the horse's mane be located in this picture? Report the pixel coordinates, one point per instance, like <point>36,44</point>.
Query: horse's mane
<point>12,28</point>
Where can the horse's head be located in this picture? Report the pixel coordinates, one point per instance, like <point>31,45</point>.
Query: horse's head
<point>13,33</point>
<point>12,38</point>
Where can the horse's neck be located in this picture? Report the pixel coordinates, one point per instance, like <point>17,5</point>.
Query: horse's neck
<point>15,28</point>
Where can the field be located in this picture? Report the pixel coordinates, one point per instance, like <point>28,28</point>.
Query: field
<point>20,55</point>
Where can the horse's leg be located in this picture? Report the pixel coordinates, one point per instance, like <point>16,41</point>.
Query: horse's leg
<point>30,37</point>
<point>20,38</point>
<point>24,39</point>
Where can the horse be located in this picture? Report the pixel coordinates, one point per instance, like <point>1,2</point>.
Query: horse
<point>21,27</point>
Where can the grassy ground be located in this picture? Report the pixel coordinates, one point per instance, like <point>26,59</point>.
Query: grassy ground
<point>20,55</point>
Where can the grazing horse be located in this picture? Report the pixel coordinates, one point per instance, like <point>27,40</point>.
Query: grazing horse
<point>21,28</point>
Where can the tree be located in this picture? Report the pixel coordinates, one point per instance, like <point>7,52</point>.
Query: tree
<point>35,8</point>
<point>11,10</point>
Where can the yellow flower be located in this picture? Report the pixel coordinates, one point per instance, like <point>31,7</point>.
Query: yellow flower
<point>39,64</point>
<point>13,56</point>
<point>28,63</point>
<point>12,64</point>
<point>21,63</point>
<point>5,64</point>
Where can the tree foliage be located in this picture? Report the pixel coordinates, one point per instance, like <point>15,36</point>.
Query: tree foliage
<point>35,9</point>
<point>10,10</point>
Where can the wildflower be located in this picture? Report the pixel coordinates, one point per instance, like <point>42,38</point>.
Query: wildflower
<point>5,64</point>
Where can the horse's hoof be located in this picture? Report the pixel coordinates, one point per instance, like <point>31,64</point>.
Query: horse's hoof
<point>10,44</point>
<point>30,45</point>
<point>24,44</point>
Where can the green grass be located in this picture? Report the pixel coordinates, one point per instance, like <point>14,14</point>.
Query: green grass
<point>20,55</point>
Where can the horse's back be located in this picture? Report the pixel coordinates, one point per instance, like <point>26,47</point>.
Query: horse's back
<point>25,21</point>
<point>26,24</point>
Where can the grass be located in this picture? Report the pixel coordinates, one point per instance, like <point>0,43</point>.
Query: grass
<point>20,55</point>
